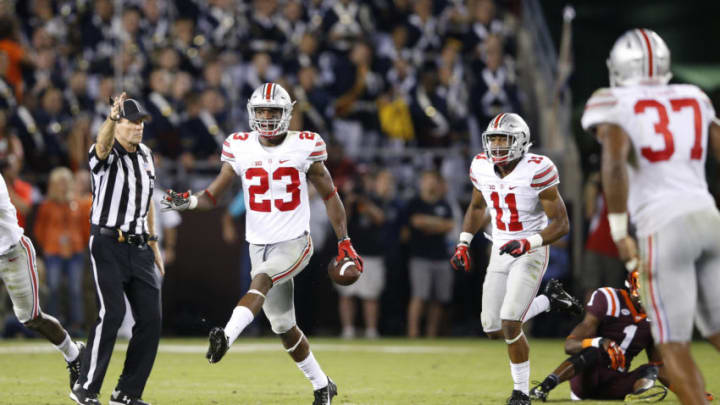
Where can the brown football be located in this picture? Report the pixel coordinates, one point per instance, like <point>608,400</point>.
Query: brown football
<point>343,273</point>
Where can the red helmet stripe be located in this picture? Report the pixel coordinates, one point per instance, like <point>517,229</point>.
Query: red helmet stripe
<point>649,50</point>
<point>268,91</point>
<point>497,120</point>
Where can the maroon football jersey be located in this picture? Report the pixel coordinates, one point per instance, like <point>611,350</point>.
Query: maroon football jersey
<point>620,321</point>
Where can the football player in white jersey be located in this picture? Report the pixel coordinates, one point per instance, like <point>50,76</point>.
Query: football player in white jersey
<point>522,190</point>
<point>18,271</point>
<point>655,138</point>
<point>274,164</point>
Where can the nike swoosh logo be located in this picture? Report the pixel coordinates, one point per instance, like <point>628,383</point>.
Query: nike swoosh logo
<point>12,259</point>
<point>283,161</point>
<point>512,187</point>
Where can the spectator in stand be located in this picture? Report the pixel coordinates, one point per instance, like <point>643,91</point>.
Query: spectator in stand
<point>16,54</point>
<point>162,129</point>
<point>601,262</point>
<point>366,220</point>
<point>424,36</point>
<point>21,192</point>
<point>429,220</point>
<point>54,125</point>
<point>59,231</point>
<point>483,24</point>
<point>429,109</point>
<point>313,102</point>
<point>494,90</point>
<point>78,142</point>
<point>358,86</point>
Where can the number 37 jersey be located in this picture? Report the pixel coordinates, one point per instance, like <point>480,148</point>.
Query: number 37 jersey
<point>274,183</point>
<point>668,127</point>
<point>514,200</point>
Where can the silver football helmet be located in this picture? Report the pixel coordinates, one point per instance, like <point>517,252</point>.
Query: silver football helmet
<point>517,132</point>
<point>639,56</point>
<point>270,95</point>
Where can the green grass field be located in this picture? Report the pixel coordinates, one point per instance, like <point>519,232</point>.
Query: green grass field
<point>258,371</point>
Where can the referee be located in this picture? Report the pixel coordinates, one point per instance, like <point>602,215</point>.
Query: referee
<point>123,249</point>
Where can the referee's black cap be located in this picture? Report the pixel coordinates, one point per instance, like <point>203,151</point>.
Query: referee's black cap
<point>133,111</point>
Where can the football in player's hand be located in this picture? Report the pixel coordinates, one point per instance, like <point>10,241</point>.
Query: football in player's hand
<point>343,273</point>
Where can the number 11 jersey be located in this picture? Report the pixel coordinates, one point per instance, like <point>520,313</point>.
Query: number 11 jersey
<point>514,200</point>
<point>274,183</point>
<point>668,127</point>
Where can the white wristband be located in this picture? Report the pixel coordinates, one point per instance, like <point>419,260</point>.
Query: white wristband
<point>466,238</point>
<point>618,225</point>
<point>193,202</point>
<point>535,241</point>
<point>596,342</point>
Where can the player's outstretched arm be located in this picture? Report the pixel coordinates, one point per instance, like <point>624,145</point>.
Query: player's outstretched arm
<point>476,218</point>
<point>554,208</point>
<point>320,178</point>
<point>205,199</point>
<point>616,146</point>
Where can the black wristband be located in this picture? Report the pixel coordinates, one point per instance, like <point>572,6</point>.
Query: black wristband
<point>153,238</point>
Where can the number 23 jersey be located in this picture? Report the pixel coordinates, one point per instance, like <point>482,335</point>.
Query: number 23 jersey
<point>274,183</point>
<point>513,200</point>
<point>668,127</point>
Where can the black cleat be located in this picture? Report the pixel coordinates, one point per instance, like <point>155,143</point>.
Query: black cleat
<point>120,398</point>
<point>218,345</point>
<point>83,397</point>
<point>518,398</point>
<point>324,395</point>
<point>537,392</point>
<point>561,300</point>
<point>74,366</point>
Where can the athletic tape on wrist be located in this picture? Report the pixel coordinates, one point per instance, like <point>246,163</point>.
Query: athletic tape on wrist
<point>466,237</point>
<point>535,241</point>
<point>193,202</point>
<point>254,291</point>
<point>618,225</point>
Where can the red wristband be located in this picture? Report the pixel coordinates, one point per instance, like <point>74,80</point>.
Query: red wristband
<point>329,196</point>
<point>212,197</point>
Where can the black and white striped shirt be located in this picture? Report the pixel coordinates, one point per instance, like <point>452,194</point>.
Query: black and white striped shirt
<point>122,187</point>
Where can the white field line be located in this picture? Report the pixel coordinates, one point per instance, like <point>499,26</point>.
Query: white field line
<point>262,347</point>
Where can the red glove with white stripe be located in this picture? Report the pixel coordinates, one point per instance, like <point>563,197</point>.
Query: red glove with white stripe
<point>515,248</point>
<point>346,249</point>
<point>461,258</point>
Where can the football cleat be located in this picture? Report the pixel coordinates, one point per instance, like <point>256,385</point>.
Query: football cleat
<point>218,345</point>
<point>120,398</point>
<point>324,395</point>
<point>518,398</point>
<point>74,366</point>
<point>656,393</point>
<point>561,300</point>
<point>537,392</point>
<point>82,396</point>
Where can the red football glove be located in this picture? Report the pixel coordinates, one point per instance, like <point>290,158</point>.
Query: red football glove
<point>616,354</point>
<point>515,248</point>
<point>461,258</point>
<point>346,249</point>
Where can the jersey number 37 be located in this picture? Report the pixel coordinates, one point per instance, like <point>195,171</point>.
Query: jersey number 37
<point>661,128</point>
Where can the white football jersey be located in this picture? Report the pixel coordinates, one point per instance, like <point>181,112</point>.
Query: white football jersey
<point>274,183</point>
<point>10,231</point>
<point>668,126</point>
<point>513,200</point>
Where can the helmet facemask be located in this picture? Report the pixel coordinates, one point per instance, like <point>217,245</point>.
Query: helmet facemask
<point>496,149</point>
<point>269,127</point>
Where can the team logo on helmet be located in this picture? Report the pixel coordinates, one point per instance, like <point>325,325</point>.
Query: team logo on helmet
<point>518,138</point>
<point>639,56</point>
<point>270,95</point>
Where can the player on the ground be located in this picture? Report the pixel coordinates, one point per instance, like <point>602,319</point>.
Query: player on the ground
<point>602,347</point>
<point>522,188</point>
<point>655,138</point>
<point>615,330</point>
<point>274,164</point>
<point>18,270</point>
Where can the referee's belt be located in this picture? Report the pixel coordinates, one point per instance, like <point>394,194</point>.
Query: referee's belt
<point>120,236</point>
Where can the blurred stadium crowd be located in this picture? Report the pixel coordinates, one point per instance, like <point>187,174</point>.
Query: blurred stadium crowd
<point>394,86</point>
